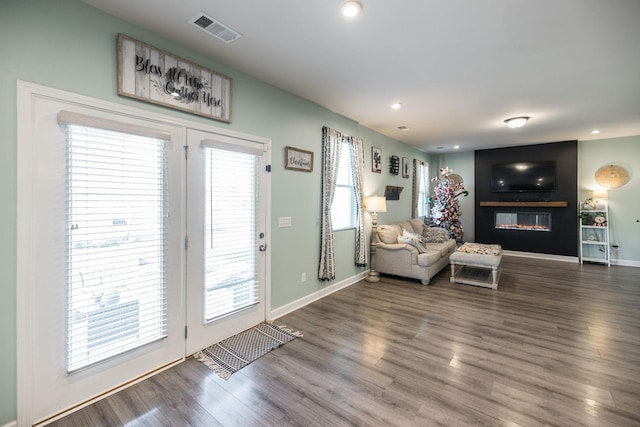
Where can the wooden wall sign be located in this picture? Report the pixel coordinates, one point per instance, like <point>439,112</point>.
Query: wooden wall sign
<point>158,77</point>
<point>297,159</point>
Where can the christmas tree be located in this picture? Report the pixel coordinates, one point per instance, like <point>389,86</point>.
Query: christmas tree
<point>446,208</point>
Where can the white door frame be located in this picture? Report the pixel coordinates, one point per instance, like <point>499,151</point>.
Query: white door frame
<point>27,93</point>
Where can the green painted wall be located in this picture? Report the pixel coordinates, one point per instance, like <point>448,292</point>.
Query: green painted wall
<point>624,202</point>
<point>68,45</point>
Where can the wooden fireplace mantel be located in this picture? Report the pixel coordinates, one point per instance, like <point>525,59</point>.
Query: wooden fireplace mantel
<point>554,204</point>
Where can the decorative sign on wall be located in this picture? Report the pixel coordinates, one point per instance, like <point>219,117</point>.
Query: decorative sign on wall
<point>394,165</point>
<point>155,76</point>
<point>297,159</point>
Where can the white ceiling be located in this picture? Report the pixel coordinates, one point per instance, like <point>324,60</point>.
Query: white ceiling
<point>459,67</point>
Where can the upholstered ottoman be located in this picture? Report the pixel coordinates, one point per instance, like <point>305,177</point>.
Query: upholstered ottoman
<point>476,264</point>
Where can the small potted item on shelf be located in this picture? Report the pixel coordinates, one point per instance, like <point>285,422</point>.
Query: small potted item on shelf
<point>589,204</point>
<point>586,218</point>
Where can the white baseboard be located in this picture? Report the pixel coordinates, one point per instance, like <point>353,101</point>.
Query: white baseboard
<point>625,262</point>
<point>11,424</point>
<point>621,262</point>
<point>536,255</point>
<point>294,305</point>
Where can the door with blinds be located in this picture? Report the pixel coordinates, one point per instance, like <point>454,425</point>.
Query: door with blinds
<point>227,244</point>
<point>103,193</point>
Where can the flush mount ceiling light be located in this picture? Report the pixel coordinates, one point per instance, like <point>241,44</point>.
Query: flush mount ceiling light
<point>516,122</point>
<point>351,8</point>
<point>396,105</point>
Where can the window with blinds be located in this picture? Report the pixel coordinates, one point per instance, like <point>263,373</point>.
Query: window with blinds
<point>116,257</point>
<point>231,203</point>
<point>343,208</point>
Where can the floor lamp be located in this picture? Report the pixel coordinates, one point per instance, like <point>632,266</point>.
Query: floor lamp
<point>374,204</point>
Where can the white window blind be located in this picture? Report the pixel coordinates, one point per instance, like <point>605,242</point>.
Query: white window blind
<point>231,207</point>
<point>343,208</point>
<point>116,257</point>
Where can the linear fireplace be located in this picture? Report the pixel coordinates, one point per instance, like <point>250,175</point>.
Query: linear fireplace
<point>523,221</point>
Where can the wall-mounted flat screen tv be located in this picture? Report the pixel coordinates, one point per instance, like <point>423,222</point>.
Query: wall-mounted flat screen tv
<point>526,176</point>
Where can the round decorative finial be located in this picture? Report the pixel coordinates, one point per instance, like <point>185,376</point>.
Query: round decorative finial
<point>612,176</point>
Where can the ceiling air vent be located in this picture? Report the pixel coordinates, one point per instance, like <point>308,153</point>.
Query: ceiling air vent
<point>215,28</point>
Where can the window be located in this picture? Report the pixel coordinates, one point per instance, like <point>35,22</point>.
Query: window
<point>343,209</point>
<point>116,239</point>
<point>230,281</point>
<point>423,191</point>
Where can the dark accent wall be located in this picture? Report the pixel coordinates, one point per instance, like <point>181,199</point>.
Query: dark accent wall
<point>563,237</point>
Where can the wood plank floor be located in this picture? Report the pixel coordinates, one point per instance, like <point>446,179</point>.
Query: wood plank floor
<point>558,344</point>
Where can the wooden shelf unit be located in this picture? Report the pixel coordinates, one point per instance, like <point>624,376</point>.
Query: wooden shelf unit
<point>555,204</point>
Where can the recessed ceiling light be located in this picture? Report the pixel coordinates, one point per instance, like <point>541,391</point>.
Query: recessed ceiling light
<point>396,105</point>
<point>351,8</point>
<point>517,122</point>
<point>456,147</point>
<point>595,131</point>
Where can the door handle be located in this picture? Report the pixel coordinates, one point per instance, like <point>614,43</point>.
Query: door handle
<point>262,248</point>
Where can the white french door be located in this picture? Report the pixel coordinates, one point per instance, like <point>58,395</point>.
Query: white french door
<point>226,229</point>
<point>124,241</point>
<point>105,251</point>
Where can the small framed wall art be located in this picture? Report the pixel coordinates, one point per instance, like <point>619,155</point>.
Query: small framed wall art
<point>376,160</point>
<point>405,167</point>
<point>297,159</point>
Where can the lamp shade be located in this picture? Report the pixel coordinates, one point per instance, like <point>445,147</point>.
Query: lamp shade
<point>600,194</point>
<point>375,204</point>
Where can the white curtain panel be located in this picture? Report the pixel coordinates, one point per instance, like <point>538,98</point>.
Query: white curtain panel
<point>331,144</point>
<point>357,157</point>
<point>416,187</point>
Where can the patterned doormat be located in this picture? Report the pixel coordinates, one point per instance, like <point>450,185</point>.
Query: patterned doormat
<point>236,352</point>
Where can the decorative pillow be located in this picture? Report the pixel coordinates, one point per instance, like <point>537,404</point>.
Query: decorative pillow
<point>388,233</point>
<point>406,225</point>
<point>412,239</point>
<point>435,235</point>
<point>418,225</point>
